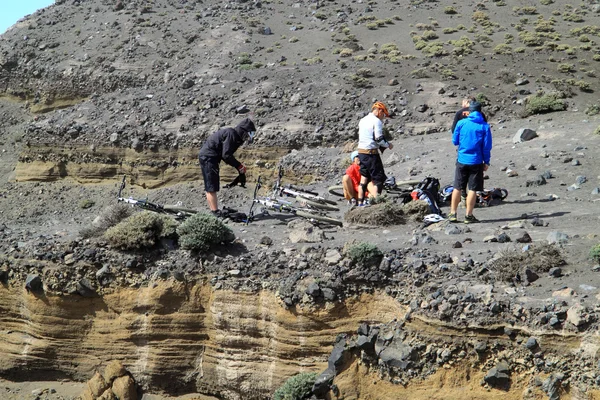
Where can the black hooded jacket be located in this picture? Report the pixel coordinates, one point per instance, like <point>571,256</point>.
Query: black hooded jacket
<point>223,143</point>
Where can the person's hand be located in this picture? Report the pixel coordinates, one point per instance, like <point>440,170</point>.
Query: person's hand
<point>242,169</point>
<point>391,146</point>
<point>485,167</point>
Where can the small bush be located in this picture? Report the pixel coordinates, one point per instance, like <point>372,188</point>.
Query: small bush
<point>430,35</point>
<point>372,26</point>
<point>110,217</point>
<point>141,230</point>
<point>594,109</point>
<point>364,254</point>
<point>546,2</point>
<point>201,231</point>
<point>419,73</point>
<point>597,131</point>
<point>566,68</point>
<point>543,103</point>
<point>595,253</point>
<point>450,10</point>
<point>503,49</point>
<point>86,203</point>
<point>508,265</point>
<point>297,387</point>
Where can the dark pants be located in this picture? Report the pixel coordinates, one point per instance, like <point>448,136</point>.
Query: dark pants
<point>210,173</point>
<point>471,175</point>
<point>371,168</point>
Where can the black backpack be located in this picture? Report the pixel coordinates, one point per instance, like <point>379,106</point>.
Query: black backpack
<point>430,188</point>
<point>430,185</point>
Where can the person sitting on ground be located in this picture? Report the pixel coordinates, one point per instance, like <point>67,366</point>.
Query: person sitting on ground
<point>220,146</point>
<point>464,112</point>
<point>473,137</point>
<point>370,142</point>
<point>351,180</point>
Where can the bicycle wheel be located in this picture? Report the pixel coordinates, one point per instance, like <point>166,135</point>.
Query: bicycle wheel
<point>320,218</point>
<point>316,204</point>
<point>179,211</point>
<point>336,190</point>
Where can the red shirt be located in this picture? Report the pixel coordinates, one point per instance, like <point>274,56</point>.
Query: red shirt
<point>353,172</point>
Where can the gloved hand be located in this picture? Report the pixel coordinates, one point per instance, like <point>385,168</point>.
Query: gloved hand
<point>242,169</point>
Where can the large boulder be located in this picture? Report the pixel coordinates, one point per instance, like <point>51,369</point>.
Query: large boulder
<point>524,134</point>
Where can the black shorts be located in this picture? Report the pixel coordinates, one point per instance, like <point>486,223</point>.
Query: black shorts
<point>468,174</point>
<point>371,168</point>
<point>210,173</point>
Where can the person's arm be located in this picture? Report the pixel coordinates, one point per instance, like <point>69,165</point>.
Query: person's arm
<point>379,136</point>
<point>487,146</point>
<point>457,118</point>
<point>230,145</point>
<point>456,134</point>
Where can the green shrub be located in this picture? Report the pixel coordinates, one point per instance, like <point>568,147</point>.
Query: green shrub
<point>546,2</point>
<point>364,254</point>
<point>566,68</point>
<point>419,73</point>
<point>503,48</point>
<point>595,252</point>
<point>430,35</point>
<point>594,109</point>
<point>109,217</point>
<point>86,203</point>
<point>597,131</point>
<point>141,230</point>
<point>297,387</point>
<point>372,26</point>
<point>200,231</point>
<point>388,47</point>
<point>450,10</point>
<point>541,103</point>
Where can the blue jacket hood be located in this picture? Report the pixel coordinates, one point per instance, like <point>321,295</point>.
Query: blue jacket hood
<point>476,116</point>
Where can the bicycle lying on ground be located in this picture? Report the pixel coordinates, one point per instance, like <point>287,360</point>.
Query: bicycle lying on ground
<point>393,188</point>
<point>176,211</point>
<point>306,198</point>
<point>279,205</point>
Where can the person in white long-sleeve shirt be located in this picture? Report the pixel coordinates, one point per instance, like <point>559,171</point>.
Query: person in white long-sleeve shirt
<point>370,142</point>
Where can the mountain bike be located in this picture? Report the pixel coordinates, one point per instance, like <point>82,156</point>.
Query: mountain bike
<point>390,186</point>
<point>306,198</point>
<point>282,206</point>
<point>176,211</point>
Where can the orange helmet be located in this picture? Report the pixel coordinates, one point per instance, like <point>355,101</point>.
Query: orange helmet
<point>382,107</point>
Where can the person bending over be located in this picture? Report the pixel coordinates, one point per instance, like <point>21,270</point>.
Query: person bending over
<point>221,146</point>
<point>370,141</point>
<point>351,180</point>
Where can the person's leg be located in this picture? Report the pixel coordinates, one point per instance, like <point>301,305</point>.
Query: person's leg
<point>349,192</point>
<point>459,183</point>
<point>475,185</point>
<point>372,190</point>
<point>365,176</point>
<point>378,173</point>
<point>471,198</point>
<point>455,201</point>
<point>213,202</point>
<point>210,174</point>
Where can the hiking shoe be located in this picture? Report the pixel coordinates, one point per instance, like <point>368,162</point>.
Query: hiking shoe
<point>452,217</point>
<point>470,219</point>
<point>352,202</point>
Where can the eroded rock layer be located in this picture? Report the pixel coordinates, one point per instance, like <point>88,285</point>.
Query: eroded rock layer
<point>176,337</point>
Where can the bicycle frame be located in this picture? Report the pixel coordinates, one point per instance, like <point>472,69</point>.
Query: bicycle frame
<point>175,211</point>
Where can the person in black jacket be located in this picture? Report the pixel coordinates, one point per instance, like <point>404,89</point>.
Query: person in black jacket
<point>464,112</point>
<point>220,146</point>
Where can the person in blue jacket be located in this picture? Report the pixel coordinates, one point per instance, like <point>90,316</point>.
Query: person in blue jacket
<point>473,137</point>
